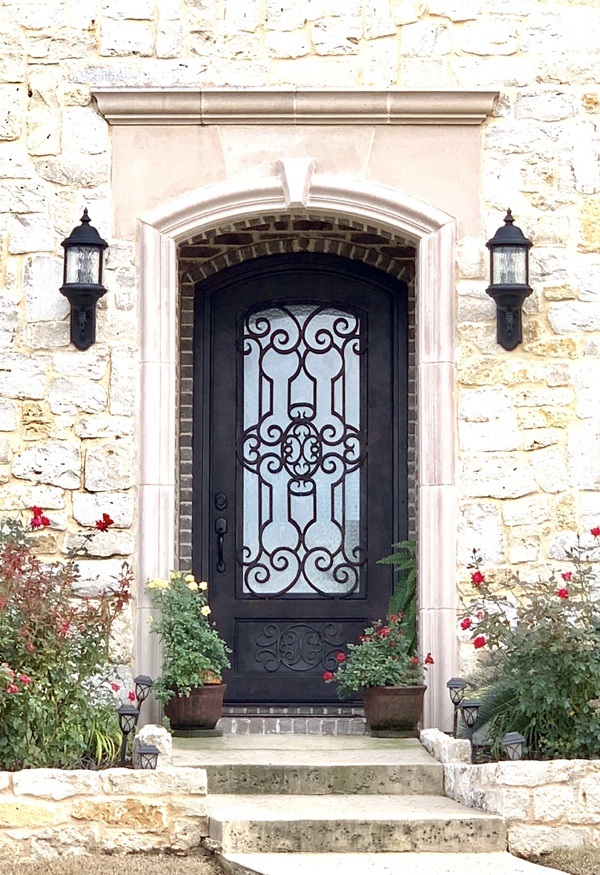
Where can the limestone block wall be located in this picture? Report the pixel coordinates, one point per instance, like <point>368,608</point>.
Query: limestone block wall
<point>545,804</point>
<point>528,421</point>
<point>49,813</point>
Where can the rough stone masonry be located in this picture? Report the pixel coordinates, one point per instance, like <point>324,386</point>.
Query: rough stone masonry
<point>528,421</point>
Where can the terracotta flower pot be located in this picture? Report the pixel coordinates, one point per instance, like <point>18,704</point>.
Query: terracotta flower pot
<point>394,710</point>
<point>200,710</point>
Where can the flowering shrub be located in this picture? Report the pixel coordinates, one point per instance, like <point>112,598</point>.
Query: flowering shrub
<point>53,649</point>
<point>540,669</point>
<point>382,658</point>
<point>193,651</point>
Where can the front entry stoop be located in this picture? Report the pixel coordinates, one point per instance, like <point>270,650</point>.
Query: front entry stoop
<point>322,804</point>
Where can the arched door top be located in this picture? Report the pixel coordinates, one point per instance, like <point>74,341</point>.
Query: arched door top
<point>382,207</point>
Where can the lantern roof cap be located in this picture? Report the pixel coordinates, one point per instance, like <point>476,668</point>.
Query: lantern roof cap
<point>513,738</point>
<point>85,234</point>
<point>509,234</point>
<point>456,684</point>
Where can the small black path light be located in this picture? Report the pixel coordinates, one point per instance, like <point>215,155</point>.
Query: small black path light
<point>470,711</point>
<point>148,756</point>
<point>143,685</point>
<point>509,280</point>
<point>128,717</point>
<point>456,688</point>
<point>513,745</point>
<point>82,281</point>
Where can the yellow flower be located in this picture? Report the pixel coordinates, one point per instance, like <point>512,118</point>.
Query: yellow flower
<point>189,578</point>
<point>158,584</point>
<point>203,585</point>
<point>205,610</point>
<point>192,585</point>
<point>174,575</point>
<point>149,620</point>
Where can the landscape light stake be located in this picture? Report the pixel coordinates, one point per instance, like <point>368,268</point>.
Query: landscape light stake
<point>513,745</point>
<point>456,688</point>
<point>128,717</point>
<point>470,711</point>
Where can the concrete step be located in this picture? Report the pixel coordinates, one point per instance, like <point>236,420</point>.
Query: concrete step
<point>381,864</point>
<point>315,765</point>
<point>350,824</point>
<point>366,778</point>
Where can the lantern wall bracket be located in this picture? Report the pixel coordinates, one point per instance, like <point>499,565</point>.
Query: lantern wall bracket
<point>509,280</point>
<point>509,319</point>
<point>82,284</point>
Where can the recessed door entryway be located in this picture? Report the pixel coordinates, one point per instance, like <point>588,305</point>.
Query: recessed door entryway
<point>300,437</point>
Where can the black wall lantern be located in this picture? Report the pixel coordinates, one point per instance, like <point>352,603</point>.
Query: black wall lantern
<point>82,282</point>
<point>509,280</point>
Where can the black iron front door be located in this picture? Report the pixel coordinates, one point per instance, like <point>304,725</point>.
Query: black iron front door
<point>300,463</point>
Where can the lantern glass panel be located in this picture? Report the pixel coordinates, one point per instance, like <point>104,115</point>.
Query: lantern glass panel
<point>514,751</point>
<point>83,265</point>
<point>148,757</point>
<point>509,265</point>
<point>456,696</point>
<point>128,723</point>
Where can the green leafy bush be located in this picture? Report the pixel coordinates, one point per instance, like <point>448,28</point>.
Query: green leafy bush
<point>540,671</point>
<point>404,598</point>
<point>55,706</point>
<point>380,659</point>
<point>193,651</point>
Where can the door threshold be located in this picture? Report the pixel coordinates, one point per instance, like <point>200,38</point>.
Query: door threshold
<point>296,710</point>
<point>292,720</point>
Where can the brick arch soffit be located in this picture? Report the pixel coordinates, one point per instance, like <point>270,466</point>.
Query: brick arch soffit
<point>205,254</point>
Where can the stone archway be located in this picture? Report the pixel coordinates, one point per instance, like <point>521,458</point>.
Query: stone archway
<point>296,188</point>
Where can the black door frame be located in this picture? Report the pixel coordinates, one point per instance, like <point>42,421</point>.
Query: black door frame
<point>203,509</point>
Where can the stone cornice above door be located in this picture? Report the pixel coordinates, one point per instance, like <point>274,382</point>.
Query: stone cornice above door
<point>294,106</point>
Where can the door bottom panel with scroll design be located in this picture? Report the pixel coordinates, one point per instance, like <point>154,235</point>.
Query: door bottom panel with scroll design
<point>299,463</point>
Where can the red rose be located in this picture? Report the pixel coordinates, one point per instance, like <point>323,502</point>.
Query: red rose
<point>115,687</point>
<point>45,521</point>
<point>479,642</point>
<point>104,523</point>
<point>328,676</point>
<point>394,618</point>
<point>29,647</point>
<point>563,593</point>
<point>428,659</point>
<point>595,531</point>
<point>567,575</point>
<point>466,623</point>
<point>477,578</point>
<point>415,660</point>
<point>25,679</point>
<point>37,511</point>
<point>11,688</point>
<point>383,632</point>
<point>131,696</point>
<point>36,522</point>
<point>340,657</point>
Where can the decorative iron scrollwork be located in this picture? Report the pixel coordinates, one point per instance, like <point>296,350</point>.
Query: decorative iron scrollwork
<point>299,647</point>
<point>302,449</point>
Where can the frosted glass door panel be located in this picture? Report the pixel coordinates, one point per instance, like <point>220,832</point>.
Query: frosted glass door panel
<point>302,451</point>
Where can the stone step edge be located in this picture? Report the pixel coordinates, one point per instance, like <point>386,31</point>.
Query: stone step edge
<point>423,863</point>
<point>321,779</point>
<point>245,835</point>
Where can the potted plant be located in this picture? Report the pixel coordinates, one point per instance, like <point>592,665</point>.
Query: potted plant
<point>390,678</point>
<point>194,654</point>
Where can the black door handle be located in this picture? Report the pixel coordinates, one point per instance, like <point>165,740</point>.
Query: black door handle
<point>220,529</point>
